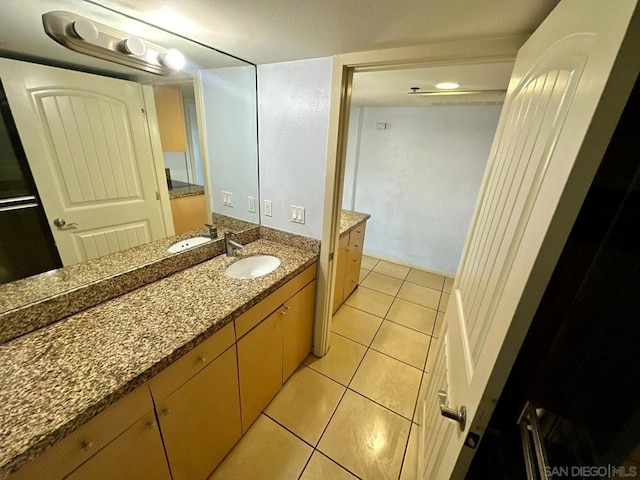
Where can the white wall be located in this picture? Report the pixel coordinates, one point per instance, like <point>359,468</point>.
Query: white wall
<point>293,113</point>
<point>229,97</point>
<point>419,180</point>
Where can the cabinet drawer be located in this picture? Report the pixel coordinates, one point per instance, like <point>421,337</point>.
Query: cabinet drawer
<point>256,314</point>
<point>176,374</point>
<point>354,258</point>
<point>351,282</point>
<point>79,446</point>
<point>343,242</point>
<point>356,236</point>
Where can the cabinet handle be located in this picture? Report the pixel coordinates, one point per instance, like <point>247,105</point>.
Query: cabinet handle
<point>152,424</point>
<point>85,445</point>
<point>286,307</point>
<point>165,411</point>
<point>202,359</point>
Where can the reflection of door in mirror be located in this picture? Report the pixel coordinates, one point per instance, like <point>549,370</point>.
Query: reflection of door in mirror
<point>87,144</point>
<point>178,125</point>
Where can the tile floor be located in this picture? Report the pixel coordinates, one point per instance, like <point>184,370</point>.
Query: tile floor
<point>352,414</point>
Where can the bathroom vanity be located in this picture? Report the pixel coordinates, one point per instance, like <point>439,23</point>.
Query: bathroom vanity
<point>352,230</point>
<point>182,365</point>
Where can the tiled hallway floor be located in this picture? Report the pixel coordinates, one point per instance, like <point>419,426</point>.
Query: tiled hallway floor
<point>352,414</point>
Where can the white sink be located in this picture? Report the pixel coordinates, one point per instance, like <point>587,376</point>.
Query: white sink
<point>187,244</point>
<point>253,267</point>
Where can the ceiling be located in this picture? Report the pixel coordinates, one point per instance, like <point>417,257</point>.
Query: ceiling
<point>389,88</point>
<point>267,31</point>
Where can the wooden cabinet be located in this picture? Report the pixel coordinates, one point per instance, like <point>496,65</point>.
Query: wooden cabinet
<point>260,367</point>
<point>170,113</point>
<point>349,261</point>
<point>121,442</point>
<point>198,406</point>
<point>271,348</point>
<point>297,329</point>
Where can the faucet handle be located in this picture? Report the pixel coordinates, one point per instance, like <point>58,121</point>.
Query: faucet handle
<point>213,230</point>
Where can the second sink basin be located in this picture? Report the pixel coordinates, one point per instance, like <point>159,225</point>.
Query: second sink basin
<point>253,267</point>
<point>186,244</point>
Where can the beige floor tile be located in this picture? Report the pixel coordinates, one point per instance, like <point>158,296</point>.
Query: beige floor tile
<point>448,285</point>
<point>438,325</point>
<point>266,451</point>
<point>323,468</point>
<point>370,301</point>
<point>392,269</point>
<point>427,297</point>
<point>342,360</point>
<point>431,356</point>
<point>412,315</point>
<point>389,382</point>
<point>365,438</point>
<point>368,262</point>
<point>421,396</point>
<point>363,274</point>
<point>444,300</point>
<point>426,279</point>
<point>305,404</point>
<point>382,283</point>
<point>402,343</point>
<point>410,463</point>
<point>355,324</point>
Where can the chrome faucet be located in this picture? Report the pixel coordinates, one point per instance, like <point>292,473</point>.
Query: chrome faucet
<point>213,231</point>
<point>230,245</point>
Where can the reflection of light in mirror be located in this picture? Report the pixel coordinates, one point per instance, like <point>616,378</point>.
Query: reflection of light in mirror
<point>377,438</point>
<point>169,18</point>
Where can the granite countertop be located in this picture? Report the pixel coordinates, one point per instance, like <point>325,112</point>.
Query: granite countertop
<point>56,378</point>
<point>349,219</point>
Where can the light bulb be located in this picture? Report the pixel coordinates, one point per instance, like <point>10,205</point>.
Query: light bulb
<point>173,59</point>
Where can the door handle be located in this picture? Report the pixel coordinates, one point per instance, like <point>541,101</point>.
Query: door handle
<point>459,416</point>
<point>62,224</point>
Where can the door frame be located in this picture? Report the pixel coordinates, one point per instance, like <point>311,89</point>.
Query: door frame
<point>489,50</point>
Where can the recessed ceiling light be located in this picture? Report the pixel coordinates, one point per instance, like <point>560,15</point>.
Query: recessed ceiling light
<point>447,86</point>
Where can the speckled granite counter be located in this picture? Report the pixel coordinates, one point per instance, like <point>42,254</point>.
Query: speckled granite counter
<point>349,219</point>
<point>55,379</point>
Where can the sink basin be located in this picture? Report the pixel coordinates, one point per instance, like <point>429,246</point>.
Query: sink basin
<point>189,243</point>
<point>253,267</point>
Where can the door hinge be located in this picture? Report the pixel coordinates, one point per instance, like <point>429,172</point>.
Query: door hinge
<point>144,114</point>
<point>157,195</point>
<point>331,256</point>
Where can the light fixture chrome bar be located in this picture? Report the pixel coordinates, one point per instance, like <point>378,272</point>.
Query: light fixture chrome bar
<point>440,93</point>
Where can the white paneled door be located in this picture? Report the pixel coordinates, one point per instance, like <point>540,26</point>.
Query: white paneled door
<point>87,144</point>
<point>570,82</point>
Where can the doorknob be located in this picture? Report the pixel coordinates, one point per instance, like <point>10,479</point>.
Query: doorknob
<point>62,224</point>
<point>459,416</point>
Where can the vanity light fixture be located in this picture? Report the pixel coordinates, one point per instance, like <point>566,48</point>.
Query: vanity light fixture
<point>91,38</point>
<point>436,93</point>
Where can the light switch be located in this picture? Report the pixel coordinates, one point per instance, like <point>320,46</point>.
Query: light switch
<point>297,214</point>
<point>267,208</point>
<point>252,204</point>
<point>227,199</point>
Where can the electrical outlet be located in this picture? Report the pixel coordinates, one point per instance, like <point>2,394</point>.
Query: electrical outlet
<point>252,204</point>
<point>227,199</point>
<point>297,214</point>
<point>267,208</point>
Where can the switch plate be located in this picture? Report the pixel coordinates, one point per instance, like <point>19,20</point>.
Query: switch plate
<point>381,126</point>
<point>267,208</point>
<point>297,214</point>
<point>252,204</point>
<point>227,199</point>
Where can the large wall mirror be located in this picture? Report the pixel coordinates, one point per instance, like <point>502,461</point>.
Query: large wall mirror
<point>97,157</point>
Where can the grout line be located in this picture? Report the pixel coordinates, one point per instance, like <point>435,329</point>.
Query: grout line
<point>286,428</point>
<point>381,405</point>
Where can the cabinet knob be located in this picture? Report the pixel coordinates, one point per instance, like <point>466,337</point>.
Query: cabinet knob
<point>165,411</point>
<point>152,424</point>
<point>284,309</point>
<point>202,359</point>
<point>85,445</point>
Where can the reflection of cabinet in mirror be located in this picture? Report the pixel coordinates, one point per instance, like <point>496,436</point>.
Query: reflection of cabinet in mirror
<point>177,123</point>
<point>349,260</point>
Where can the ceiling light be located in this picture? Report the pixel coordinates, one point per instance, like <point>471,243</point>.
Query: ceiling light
<point>447,86</point>
<point>173,59</point>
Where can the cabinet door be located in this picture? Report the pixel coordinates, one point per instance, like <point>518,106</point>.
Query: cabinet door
<point>136,454</point>
<point>200,422</point>
<point>298,328</point>
<point>340,274</point>
<point>260,366</point>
